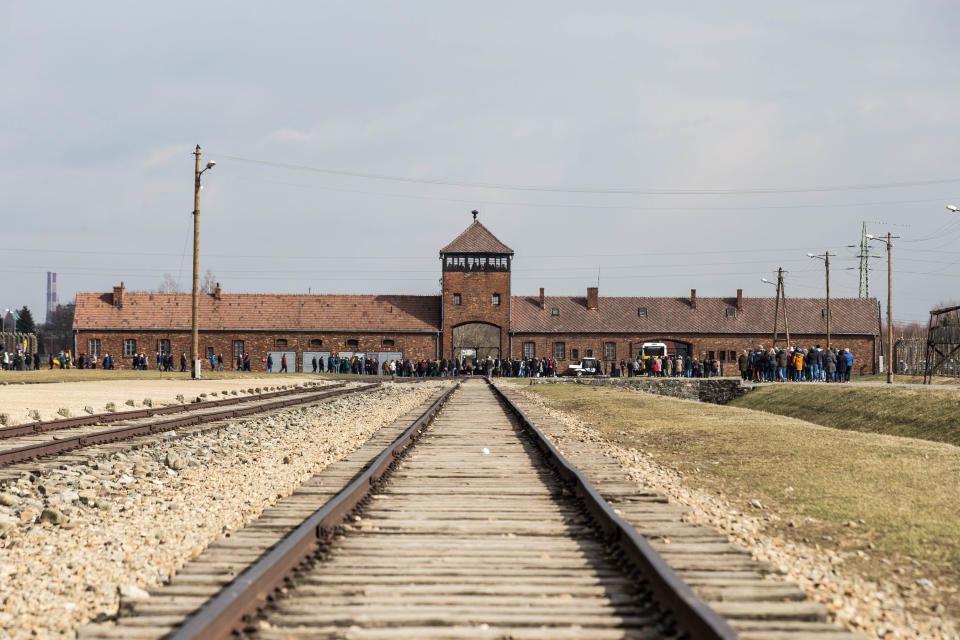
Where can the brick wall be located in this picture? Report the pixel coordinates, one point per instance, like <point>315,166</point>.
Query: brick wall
<point>476,289</point>
<point>415,346</point>
<point>862,347</point>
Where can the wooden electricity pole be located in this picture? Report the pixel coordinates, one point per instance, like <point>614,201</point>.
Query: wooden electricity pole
<point>195,318</point>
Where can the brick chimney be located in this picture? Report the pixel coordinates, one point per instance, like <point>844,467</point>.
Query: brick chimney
<point>739,299</point>
<point>118,296</point>
<point>543,303</point>
<point>593,298</point>
<point>693,298</point>
<point>216,292</point>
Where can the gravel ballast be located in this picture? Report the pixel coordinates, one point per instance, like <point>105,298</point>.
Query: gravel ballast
<point>73,538</point>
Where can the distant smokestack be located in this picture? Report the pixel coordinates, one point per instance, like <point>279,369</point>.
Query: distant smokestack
<point>51,294</point>
<point>543,303</point>
<point>739,299</point>
<point>693,298</point>
<point>593,298</point>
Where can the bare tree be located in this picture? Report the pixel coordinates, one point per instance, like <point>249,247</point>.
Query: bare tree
<point>168,284</point>
<point>208,282</point>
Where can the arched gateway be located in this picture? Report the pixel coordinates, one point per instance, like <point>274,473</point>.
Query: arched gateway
<point>476,341</point>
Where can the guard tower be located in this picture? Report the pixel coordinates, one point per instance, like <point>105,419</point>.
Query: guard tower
<point>476,295</point>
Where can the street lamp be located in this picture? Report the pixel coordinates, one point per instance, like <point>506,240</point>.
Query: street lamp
<point>194,324</point>
<point>826,259</point>
<point>889,242</point>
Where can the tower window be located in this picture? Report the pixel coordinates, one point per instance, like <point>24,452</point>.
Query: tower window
<point>456,299</point>
<point>496,299</point>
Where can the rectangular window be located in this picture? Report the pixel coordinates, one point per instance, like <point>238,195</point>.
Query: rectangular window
<point>94,349</point>
<point>496,299</point>
<point>559,350</point>
<point>589,353</point>
<point>575,353</point>
<point>237,348</point>
<point>731,313</point>
<point>610,350</point>
<point>723,356</point>
<point>163,346</point>
<point>129,348</point>
<point>710,355</point>
<point>529,350</point>
<point>456,298</point>
<point>209,352</point>
<point>733,356</point>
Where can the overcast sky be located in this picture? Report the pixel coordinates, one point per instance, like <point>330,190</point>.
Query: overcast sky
<point>620,114</point>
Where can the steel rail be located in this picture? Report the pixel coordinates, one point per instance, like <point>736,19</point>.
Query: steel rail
<point>691,613</point>
<point>28,428</point>
<point>20,454</point>
<point>226,612</point>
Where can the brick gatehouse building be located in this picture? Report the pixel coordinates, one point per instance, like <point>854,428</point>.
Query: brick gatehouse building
<point>475,315</point>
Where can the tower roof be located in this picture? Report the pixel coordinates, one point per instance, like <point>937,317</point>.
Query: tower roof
<point>476,239</point>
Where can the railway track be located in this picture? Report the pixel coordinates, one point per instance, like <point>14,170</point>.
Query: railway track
<point>20,443</point>
<point>466,522</point>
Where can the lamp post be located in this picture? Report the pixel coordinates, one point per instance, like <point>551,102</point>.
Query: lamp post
<point>194,324</point>
<point>889,243</point>
<point>826,260</point>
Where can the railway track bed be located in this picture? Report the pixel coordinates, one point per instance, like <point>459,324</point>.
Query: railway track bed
<point>472,536</point>
<point>34,448</point>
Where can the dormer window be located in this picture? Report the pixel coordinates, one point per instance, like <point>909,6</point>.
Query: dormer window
<point>555,311</point>
<point>731,312</point>
<point>642,312</point>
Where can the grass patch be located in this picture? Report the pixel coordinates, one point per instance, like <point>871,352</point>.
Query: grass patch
<point>905,379</point>
<point>906,492</point>
<point>928,414</point>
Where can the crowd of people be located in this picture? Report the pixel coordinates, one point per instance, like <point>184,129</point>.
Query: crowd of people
<point>796,364</point>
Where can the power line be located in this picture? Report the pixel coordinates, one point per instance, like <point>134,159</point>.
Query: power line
<point>563,189</point>
<point>474,201</point>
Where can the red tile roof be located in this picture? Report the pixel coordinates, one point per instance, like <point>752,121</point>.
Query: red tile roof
<point>259,312</point>
<point>476,239</point>
<point>674,315</point>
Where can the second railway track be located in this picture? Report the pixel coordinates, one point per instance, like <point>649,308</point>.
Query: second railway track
<point>481,530</point>
<point>22,443</point>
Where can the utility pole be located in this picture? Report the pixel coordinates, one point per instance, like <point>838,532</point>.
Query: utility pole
<point>195,321</point>
<point>776,308</point>
<point>826,261</point>
<point>889,308</point>
<point>783,293</point>
<point>864,263</point>
<point>889,242</point>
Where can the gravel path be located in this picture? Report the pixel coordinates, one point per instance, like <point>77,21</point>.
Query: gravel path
<point>879,610</point>
<point>18,401</point>
<point>71,538</point>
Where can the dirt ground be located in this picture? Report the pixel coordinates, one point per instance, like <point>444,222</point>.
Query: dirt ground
<point>19,400</point>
